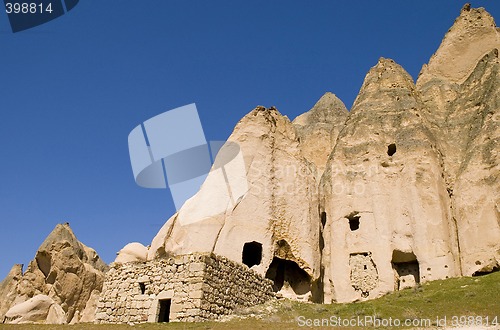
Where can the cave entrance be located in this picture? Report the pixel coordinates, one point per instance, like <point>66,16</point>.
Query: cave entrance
<point>164,310</point>
<point>252,253</point>
<point>286,273</point>
<point>406,270</point>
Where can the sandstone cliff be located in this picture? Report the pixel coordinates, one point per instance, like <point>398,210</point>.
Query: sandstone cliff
<point>460,88</point>
<point>272,225</point>
<point>58,285</point>
<point>385,201</point>
<point>343,206</point>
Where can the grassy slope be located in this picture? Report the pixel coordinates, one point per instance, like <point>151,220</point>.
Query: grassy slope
<point>478,296</point>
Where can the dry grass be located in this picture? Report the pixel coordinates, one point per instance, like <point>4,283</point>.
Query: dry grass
<point>477,296</point>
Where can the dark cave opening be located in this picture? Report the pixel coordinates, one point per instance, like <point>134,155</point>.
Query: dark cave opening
<point>283,271</point>
<point>252,253</point>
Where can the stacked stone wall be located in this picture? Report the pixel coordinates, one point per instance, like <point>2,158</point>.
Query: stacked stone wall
<point>229,285</point>
<point>199,287</point>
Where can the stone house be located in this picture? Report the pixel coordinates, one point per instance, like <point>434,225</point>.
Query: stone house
<point>193,287</point>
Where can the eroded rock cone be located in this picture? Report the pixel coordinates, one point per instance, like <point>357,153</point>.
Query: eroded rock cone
<point>64,272</point>
<point>461,89</point>
<point>318,129</point>
<point>383,195</point>
<point>266,228</point>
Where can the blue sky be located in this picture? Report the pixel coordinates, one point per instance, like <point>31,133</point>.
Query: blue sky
<point>73,89</point>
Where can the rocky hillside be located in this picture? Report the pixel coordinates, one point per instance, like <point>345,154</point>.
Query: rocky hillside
<point>339,205</point>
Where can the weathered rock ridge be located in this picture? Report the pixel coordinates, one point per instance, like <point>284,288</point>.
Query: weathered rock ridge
<point>58,286</point>
<point>342,205</point>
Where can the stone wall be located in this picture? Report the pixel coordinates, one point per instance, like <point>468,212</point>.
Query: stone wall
<point>189,288</point>
<point>229,285</point>
<point>364,275</point>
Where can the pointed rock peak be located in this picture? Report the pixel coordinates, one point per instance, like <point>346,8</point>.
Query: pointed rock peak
<point>263,110</point>
<point>15,273</point>
<point>386,82</point>
<point>263,116</point>
<point>387,74</point>
<point>62,239</point>
<point>388,71</point>
<point>330,101</point>
<point>389,65</point>
<point>62,232</point>
<point>328,109</point>
<point>473,34</point>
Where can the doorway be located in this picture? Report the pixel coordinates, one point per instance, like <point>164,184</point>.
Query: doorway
<point>164,310</point>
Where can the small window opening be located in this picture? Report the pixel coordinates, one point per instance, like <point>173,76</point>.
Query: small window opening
<point>142,286</point>
<point>365,267</point>
<point>164,310</point>
<point>252,253</point>
<point>391,149</point>
<point>353,221</point>
<point>323,219</point>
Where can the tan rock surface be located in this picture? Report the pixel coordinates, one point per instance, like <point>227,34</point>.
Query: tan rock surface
<point>442,84</point>
<point>344,206</point>
<point>39,309</point>
<point>267,213</point>
<point>318,129</point>
<point>383,193</point>
<point>65,270</point>
<point>8,288</point>
<point>473,34</point>
<point>475,195</point>
<point>88,314</point>
<point>460,88</point>
<point>132,252</point>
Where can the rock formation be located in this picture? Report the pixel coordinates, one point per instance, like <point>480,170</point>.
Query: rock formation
<point>132,252</point>
<point>60,285</point>
<point>266,228</point>
<point>8,288</point>
<point>334,206</point>
<point>344,206</point>
<point>460,88</point>
<point>383,195</point>
<point>39,309</point>
<point>319,128</point>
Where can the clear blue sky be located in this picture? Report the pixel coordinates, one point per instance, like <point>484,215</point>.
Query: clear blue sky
<point>73,89</point>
